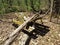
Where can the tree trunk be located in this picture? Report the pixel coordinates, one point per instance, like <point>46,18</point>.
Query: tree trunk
<point>51,9</point>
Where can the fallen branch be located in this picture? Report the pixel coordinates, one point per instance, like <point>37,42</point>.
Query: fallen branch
<point>19,29</point>
<point>7,42</point>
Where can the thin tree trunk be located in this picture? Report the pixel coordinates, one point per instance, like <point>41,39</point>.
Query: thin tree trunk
<point>51,9</point>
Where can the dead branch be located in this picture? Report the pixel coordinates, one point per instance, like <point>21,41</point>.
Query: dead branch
<point>11,38</point>
<point>7,42</point>
<point>19,29</point>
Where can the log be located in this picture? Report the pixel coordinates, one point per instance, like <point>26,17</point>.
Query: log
<point>11,36</point>
<point>19,29</point>
<point>24,24</point>
<point>7,42</point>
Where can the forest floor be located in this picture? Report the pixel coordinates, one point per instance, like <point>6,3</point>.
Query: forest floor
<point>51,38</point>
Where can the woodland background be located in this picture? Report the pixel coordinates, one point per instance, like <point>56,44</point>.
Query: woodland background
<point>7,6</point>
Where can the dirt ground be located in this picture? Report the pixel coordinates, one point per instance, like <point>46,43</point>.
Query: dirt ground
<point>51,38</point>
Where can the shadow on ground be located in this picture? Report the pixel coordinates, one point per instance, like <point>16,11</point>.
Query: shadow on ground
<point>39,30</point>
